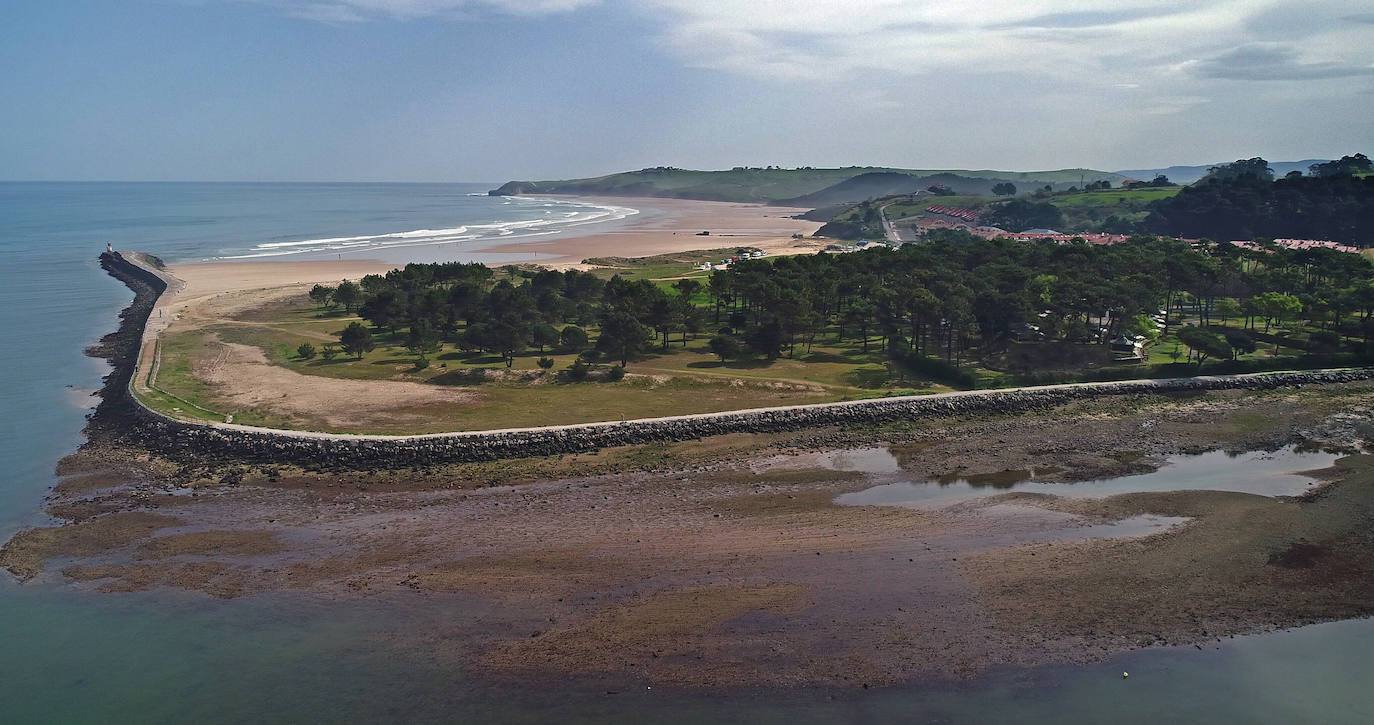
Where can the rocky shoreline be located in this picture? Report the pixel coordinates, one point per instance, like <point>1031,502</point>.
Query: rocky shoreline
<point>117,407</point>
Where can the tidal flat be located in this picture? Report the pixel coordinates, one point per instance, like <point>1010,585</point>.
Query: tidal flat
<point>725,563</point>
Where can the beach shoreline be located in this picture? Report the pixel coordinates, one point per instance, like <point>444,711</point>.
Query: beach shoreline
<point>668,226</point>
<point>662,226</point>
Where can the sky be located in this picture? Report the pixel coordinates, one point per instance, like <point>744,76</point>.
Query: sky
<point>492,90</point>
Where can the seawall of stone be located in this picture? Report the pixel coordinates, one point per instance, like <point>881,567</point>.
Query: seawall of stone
<point>117,407</point>
<point>180,439</point>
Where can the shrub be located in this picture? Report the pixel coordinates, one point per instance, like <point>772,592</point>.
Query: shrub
<point>306,351</point>
<point>936,369</point>
<point>329,352</point>
<point>545,363</point>
<point>421,362</point>
<point>577,372</point>
<point>726,347</point>
<point>1324,341</point>
<point>573,338</point>
<point>615,374</point>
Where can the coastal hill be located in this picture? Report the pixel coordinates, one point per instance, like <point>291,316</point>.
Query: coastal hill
<point>774,185</point>
<point>885,183</point>
<point>1190,174</point>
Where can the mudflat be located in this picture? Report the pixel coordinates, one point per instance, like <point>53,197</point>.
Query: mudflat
<point>726,561</point>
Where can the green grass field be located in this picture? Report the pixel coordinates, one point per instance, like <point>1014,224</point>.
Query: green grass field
<point>682,378</point>
<point>1115,197</point>
<point>677,380</point>
<point>663,266</point>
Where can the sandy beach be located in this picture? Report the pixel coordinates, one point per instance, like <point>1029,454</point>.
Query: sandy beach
<point>673,225</point>
<point>662,226</point>
<point>208,293</point>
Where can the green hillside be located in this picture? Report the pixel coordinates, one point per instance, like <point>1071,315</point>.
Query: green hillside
<point>1115,197</point>
<point>749,184</point>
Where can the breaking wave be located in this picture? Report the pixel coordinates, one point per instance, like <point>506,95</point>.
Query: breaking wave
<point>539,217</point>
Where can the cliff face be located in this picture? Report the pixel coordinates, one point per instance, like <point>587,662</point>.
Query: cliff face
<point>510,188</point>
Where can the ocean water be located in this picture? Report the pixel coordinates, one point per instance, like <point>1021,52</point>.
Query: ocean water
<point>190,221</point>
<point>70,656</point>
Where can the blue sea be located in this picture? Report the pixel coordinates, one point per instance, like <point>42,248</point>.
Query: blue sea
<point>69,656</point>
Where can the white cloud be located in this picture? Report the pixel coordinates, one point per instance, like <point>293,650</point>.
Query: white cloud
<point>336,11</point>
<point>836,38</point>
<point>1271,62</point>
<point>1149,58</point>
<point>325,13</point>
<point>1169,105</point>
<point>1075,77</point>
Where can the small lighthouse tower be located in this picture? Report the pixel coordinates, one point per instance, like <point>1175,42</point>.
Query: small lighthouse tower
<point>109,247</point>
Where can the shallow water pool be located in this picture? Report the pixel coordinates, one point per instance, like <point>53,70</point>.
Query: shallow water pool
<point>1265,473</point>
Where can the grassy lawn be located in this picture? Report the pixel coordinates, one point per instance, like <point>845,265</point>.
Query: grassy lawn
<point>662,266</point>
<point>180,354</point>
<point>1115,197</point>
<point>498,402</point>
<point>967,201</point>
<point>476,390</point>
<point>842,369</point>
<point>675,381</point>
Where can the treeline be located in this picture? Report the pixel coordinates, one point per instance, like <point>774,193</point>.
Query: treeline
<point>914,305</point>
<point>1236,201</point>
<point>940,299</point>
<point>862,221</point>
<point>546,310</point>
<point>1249,206</point>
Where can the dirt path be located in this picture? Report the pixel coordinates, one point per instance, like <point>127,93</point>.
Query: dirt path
<point>243,378</point>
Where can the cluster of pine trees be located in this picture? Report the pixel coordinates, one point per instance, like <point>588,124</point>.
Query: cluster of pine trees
<point>1339,207</point>
<point>916,304</point>
<point>549,310</point>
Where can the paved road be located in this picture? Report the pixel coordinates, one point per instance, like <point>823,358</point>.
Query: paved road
<point>891,231</point>
<point>895,234</point>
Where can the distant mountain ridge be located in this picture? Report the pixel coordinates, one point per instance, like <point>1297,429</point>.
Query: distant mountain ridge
<point>781,186</point>
<point>1189,174</point>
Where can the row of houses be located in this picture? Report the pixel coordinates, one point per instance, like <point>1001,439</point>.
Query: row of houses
<point>1300,244</point>
<point>954,211</point>
<point>1031,235</point>
<point>724,263</point>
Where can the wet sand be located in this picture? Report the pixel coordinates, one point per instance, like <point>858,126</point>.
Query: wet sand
<point>673,225</point>
<point>725,562</point>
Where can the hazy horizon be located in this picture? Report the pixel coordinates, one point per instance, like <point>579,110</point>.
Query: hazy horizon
<point>497,182</point>
<point>453,90</point>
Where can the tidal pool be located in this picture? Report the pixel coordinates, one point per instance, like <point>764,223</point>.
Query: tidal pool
<point>865,460</point>
<point>1265,473</point>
